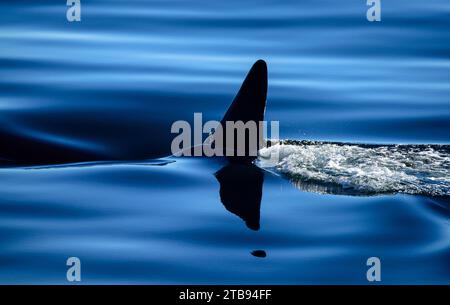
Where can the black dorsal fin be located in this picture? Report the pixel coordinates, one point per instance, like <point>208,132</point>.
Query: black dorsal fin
<point>249,103</point>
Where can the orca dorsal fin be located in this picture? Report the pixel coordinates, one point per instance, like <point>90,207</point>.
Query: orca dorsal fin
<point>249,103</point>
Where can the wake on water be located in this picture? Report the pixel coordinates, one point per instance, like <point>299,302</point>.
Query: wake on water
<point>358,169</point>
<point>345,168</point>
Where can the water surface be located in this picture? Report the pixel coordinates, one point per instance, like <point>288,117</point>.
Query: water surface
<point>109,87</point>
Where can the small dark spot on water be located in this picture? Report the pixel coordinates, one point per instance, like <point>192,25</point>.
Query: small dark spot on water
<point>259,253</point>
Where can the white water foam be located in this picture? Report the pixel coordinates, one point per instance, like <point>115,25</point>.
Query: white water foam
<point>362,169</point>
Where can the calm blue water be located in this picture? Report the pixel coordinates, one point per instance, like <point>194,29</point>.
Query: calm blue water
<point>110,86</point>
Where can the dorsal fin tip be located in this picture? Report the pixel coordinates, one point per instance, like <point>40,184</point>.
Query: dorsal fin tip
<point>250,102</point>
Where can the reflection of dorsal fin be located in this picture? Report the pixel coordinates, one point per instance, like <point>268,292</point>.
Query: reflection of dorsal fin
<point>250,102</point>
<point>241,191</point>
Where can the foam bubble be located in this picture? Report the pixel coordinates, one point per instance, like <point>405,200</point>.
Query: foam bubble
<point>362,169</point>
